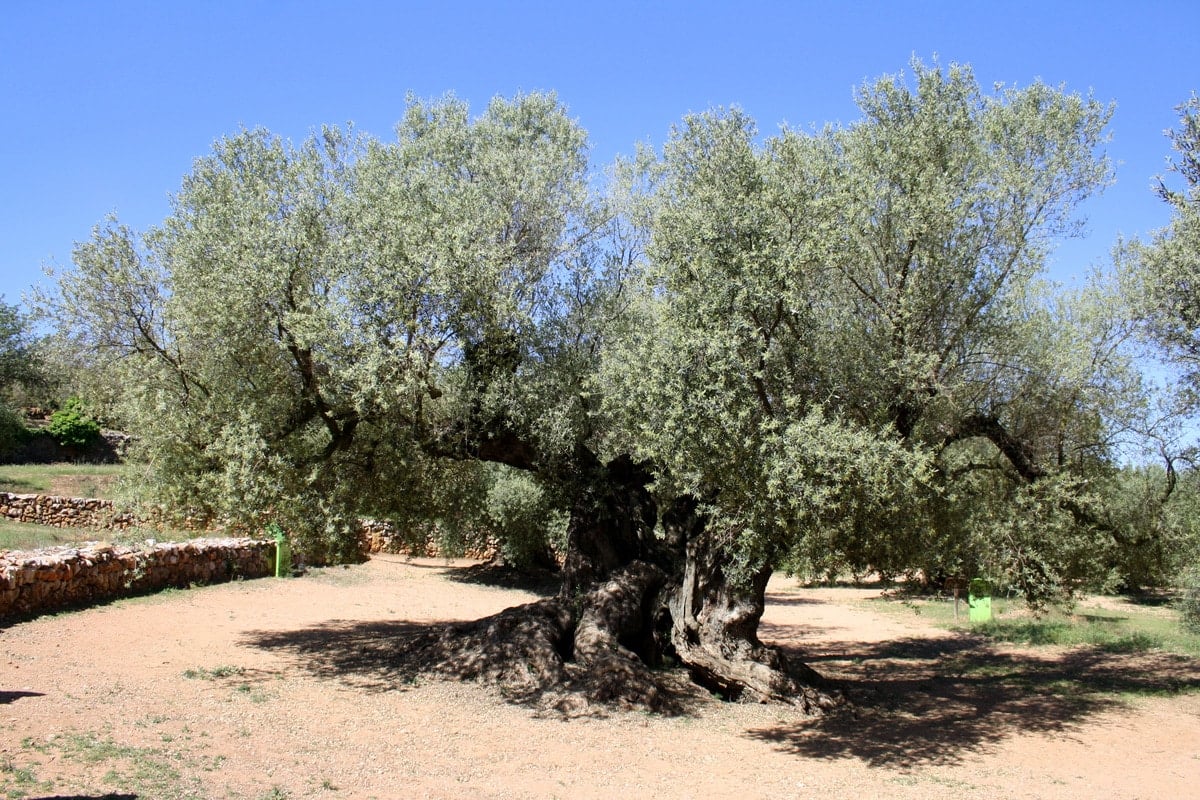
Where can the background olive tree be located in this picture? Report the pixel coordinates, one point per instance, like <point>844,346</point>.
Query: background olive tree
<point>21,370</point>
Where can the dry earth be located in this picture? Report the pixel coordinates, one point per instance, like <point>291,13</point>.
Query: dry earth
<point>290,689</point>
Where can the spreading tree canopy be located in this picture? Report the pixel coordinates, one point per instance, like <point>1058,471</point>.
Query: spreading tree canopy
<point>818,350</point>
<point>843,345</point>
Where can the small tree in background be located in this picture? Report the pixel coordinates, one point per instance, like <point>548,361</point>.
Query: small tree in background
<point>20,367</point>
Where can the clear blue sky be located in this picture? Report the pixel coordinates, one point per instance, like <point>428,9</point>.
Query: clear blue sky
<point>104,105</point>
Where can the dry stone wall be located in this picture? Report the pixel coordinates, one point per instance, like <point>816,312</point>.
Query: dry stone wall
<point>47,580</point>
<point>64,512</point>
<point>381,536</point>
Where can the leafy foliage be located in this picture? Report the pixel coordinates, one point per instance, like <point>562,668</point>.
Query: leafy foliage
<point>19,366</point>
<point>73,426</point>
<point>19,362</point>
<point>525,520</point>
<point>842,344</point>
<point>1189,601</point>
<point>12,429</point>
<point>1167,268</point>
<point>835,341</point>
<point>315,325</point>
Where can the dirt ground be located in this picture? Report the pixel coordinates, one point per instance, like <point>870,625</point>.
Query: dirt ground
<point>290,689</point>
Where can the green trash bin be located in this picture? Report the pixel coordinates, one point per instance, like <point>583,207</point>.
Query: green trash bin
<point>979,601</point>
<point>283,551</point>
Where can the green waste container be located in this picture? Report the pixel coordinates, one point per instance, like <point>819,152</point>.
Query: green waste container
<point>283,551</point>
<point>979,601</point>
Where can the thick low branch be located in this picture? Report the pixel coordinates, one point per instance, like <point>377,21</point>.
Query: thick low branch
<point>990,428</point>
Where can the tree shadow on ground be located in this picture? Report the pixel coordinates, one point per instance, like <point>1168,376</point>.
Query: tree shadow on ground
<point>10,697</point>
<point>516,650</point>
<point>542,582</point>
<point>779,599</point>
<point>1151,598</point>
<point>931,702</point>
<point>369,656</point>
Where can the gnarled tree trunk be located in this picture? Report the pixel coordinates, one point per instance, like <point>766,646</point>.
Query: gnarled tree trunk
<point>714,625</point>
<point>672,594</point>
<point>630,603</point>
<point>612,521</point>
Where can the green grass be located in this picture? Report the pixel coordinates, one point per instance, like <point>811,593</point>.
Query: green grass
<point>19,782</point>
<point>27,536</point>
<point>253,693</point>
<point>150,771</point>
<point>24,536</point>
<point>71,480</point>
<point>223,671</point>
<point>1131,630</point>
<point>147,771</point>
<point>1112,632</point>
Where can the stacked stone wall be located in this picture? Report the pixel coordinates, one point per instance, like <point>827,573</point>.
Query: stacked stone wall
<point>64,512</point>
<point>47,580</point>
<point>381,536</point>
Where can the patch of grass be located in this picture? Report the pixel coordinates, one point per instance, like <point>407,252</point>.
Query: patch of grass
<point>153,719</point>
<point>68,480</point>
<point>917,778</point>
<point>91,748</point>
<point>223,671</point>
<point>147,771</point>
<point>1133,630</point>
<point>29,743</point>
<point>253,693</point>
<point>1125,633</point>
<point>26,536</point>
<point>1028,631</point>
<point>18,782</point>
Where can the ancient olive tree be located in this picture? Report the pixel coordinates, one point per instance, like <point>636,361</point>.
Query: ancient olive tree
<point>759,352</point>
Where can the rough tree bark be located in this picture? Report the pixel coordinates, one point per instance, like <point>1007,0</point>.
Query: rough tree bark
<point>630,604</point>
<point>714,624</point>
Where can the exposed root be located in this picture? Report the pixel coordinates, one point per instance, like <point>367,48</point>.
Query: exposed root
<point>520,649</point>
<point>612,623</point>
<point>595,650</point>
<point>760,674</point>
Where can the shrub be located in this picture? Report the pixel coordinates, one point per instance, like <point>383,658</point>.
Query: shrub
<point>12,430</point>
<point>1189,601</point>
<point>525,520</point>
<point>72,426</point>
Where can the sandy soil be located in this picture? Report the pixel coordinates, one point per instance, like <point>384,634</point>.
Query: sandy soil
<point>289,689</point>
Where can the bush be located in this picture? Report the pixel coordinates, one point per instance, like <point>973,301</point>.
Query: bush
<point>72,426</point>
<point>525,520</point>
<point>13,432</point>
<point>1189,601</point>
